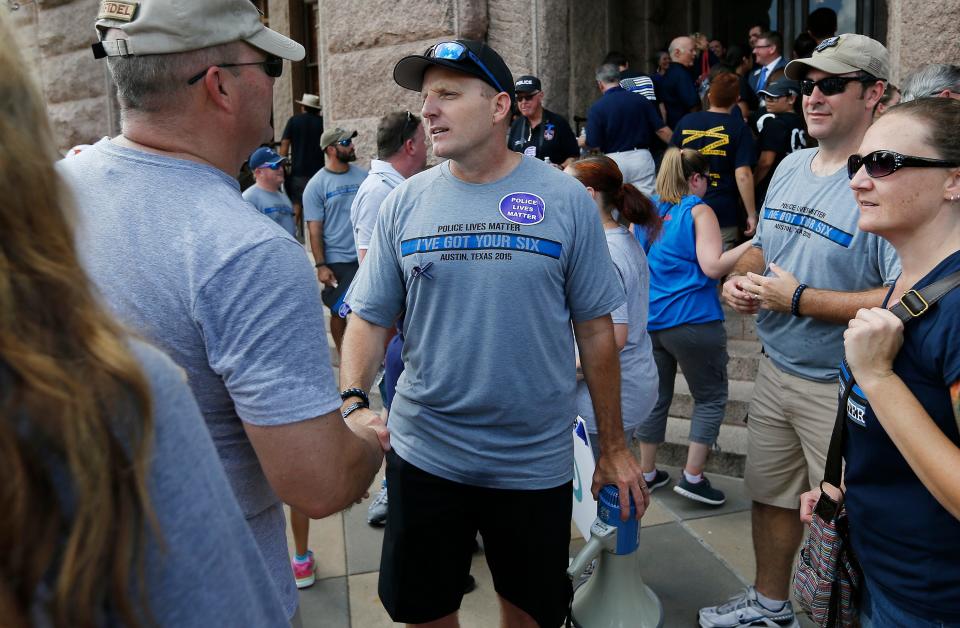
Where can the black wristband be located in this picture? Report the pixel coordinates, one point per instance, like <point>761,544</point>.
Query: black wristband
<point>356,392</point>
<point>319,264</point>
<point>795,302</point>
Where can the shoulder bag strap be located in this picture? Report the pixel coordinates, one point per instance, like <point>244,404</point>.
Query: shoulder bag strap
<point>913,304</point>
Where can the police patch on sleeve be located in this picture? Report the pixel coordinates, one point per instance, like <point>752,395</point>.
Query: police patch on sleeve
<point>522,208</point>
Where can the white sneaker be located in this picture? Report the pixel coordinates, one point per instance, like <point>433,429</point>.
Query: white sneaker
<point>744,609</point>
<point>377,513</point>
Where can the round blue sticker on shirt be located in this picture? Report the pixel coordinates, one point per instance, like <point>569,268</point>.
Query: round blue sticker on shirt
<point>522,208</point>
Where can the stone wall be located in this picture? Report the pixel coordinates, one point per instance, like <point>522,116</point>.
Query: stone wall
<point>55,38</point>
<point>921,32</point>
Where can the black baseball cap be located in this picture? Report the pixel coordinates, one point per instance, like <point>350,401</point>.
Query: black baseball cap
<point>783,87</point>
<point>526,84</point>
<point>463,55</point>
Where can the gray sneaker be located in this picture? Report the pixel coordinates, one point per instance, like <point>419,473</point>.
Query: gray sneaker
<point>377,513</point>
<point>700,492</point>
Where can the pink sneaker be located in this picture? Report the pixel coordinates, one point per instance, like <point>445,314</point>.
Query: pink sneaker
<point>305,572</point>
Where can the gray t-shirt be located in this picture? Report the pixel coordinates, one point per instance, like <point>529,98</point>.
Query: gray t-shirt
<point>382,179</point>
<point>327,199</point>
<point>808,226</point>
<point>274,205</point>
<point>639,380</point>
<point>183,260</point>
<point>490,276</point>
<point>202,529</point>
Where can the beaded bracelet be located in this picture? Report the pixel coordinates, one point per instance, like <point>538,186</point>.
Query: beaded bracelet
<point>795,302</point>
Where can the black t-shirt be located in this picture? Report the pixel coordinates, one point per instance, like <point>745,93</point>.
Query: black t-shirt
<point>725,140</point>
<point>552,138</point>
<point>781,133</point>
<point>304,131</point>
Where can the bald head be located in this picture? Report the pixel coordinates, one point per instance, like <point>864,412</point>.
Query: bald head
<point>682,51</point>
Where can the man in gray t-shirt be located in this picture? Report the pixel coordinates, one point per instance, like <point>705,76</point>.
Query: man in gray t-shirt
<point>491,256</point>
<point>809,272</point>
<point>265,194</point>
<point>184,261</point>
<point>326,208</point>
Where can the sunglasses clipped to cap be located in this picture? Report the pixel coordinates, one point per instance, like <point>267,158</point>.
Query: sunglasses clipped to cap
<point>832,85</point>
<point>272,67</point>
<point>455,51</point>
<point>883,163</point>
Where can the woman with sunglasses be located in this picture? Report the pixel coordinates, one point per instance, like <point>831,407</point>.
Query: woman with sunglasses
<point>115,507</point>
<point>638,373</point>
<point>686,320</point>
<point>902,442</point>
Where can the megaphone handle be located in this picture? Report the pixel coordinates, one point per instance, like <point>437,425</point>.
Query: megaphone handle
<point>590,551</point>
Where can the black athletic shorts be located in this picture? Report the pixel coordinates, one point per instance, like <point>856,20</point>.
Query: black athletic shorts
<point>294,187</point>
<point>344,272</point>
<point>428,542</point>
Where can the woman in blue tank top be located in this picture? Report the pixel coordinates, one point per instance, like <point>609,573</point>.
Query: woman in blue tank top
<point>902,429</point>
<point>686,320</point>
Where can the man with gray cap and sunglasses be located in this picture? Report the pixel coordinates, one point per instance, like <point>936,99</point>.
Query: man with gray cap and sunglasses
<point>490,256</point>
<point>809,271</point>
<point>183,260</point>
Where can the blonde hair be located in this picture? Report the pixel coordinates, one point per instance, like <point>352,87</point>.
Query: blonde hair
<point>75,410</point>
<point>673,180</point>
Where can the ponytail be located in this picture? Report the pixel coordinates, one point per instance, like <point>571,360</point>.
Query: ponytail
<point>675,171</point>
<point>635,207</point>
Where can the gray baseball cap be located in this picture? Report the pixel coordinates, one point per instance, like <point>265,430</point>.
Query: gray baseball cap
<point>156,27</point>
<point>842,54</point>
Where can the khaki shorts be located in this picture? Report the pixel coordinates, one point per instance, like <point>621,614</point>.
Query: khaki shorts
<point>788,434</point>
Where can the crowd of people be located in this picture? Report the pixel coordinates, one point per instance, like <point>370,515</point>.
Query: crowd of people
<point>167,383</point>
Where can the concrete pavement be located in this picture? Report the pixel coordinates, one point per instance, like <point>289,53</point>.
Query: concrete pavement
<point>693,556</point>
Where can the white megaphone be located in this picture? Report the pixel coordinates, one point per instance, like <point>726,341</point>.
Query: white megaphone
<point>615,595</point>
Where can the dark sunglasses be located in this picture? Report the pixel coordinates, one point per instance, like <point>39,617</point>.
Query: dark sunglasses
<point>272,66</point>
<point>832,85</point>
<point>883,163</point>
<point>527,96</point>
<point>455,51</point>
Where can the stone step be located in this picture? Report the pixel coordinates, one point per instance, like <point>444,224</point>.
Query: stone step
<point>727,458</point>
<point>738,400</point>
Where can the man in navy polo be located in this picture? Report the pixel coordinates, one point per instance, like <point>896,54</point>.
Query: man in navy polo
<point>677,90</point>
<point>622,125</point>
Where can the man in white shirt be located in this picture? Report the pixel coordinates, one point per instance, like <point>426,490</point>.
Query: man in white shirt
<point>401,153</point>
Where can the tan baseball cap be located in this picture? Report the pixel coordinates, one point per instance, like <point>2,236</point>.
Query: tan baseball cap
<point>330,136</point>
<point>156,27</point>
<point>844,53</point>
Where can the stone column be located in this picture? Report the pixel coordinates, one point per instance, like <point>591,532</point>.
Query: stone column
<point>921,32</point>
<point>56,37</point>
<point>361,41</point>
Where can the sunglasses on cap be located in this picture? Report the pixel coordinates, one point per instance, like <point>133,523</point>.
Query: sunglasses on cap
<point>274,166</point>
<point>455,51</point>
<point>272,67</point>
<point>527,96</point>
<point>832,85</point>
<point>883,163</point>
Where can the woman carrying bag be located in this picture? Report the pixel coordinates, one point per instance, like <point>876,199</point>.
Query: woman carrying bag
<point>900,427</point>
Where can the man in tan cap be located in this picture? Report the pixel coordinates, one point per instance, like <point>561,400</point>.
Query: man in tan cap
<point>301,136</point>
<point>809,271</point>
<point>183,260</point>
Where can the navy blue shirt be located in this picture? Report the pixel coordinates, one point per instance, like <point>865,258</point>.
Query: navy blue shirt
<point>552,138</point>
<point>677,92</point>
<point>906,542</point>
<point>726,141</point>
<point>304,131</point>
<point>622,120</point>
